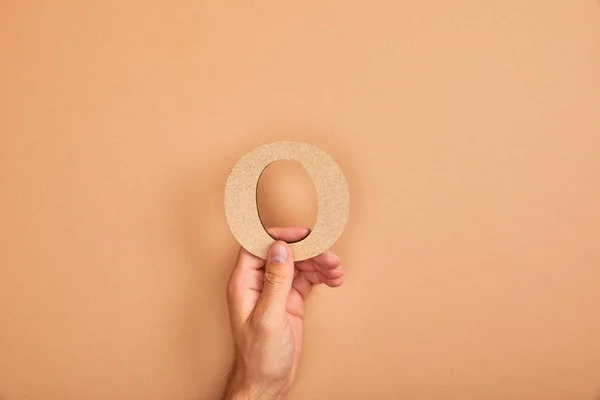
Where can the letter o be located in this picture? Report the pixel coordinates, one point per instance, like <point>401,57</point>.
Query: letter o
<point>333,200</point>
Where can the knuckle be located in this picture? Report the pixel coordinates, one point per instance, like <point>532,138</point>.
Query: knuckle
<point>229,293</point>
<point>263,325</point>
<point>230,288</point>
<point>275,278</point>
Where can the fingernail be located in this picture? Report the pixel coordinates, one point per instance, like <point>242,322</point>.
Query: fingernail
<point>278,253</point>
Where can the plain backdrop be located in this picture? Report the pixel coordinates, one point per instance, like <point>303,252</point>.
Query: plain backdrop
<point>469,132</point>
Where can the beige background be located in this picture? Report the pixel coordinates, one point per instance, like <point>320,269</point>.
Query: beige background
<point>470,135</point>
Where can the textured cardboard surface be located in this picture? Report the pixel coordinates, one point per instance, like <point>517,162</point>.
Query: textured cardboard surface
<point>333,200</point>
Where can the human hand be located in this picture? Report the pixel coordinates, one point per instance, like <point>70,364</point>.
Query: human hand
<point>266,309</point>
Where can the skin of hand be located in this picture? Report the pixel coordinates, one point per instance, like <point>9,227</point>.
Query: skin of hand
<point>266,302</point>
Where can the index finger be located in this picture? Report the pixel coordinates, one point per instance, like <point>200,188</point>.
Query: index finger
<point>248,261</point>
<point>288,234</point>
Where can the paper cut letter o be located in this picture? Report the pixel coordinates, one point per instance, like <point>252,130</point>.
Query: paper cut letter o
<point>333,200</point>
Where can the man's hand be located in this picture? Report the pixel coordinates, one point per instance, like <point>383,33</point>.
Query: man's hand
<point>266,309</point>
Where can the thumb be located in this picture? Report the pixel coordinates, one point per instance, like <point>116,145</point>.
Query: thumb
<point>279,274</point>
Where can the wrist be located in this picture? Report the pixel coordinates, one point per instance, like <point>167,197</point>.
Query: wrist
<point>241,387</point>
